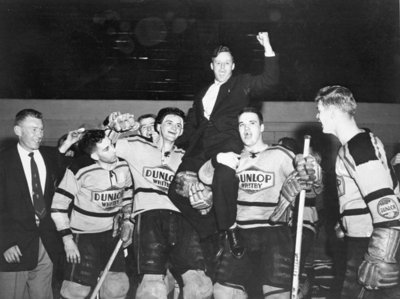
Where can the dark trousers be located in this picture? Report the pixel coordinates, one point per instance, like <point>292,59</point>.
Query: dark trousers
<point>225,184</point>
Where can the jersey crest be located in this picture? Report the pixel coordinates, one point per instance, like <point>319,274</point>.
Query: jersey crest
<point>160,176</point>
<point>108,199</point>
<point>387,208</point>
<point>253,180</point>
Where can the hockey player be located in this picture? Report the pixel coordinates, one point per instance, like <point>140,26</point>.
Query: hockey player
<point>162,235</point>
<point>265,176</point>
<point>368,199</point>
<point>98,185</point>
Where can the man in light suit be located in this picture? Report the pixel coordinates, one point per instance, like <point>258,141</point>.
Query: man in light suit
<point>29,243</point>
<point>211,128</point>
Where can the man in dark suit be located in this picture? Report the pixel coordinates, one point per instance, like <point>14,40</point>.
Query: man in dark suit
<point>29,243</point>
<point>211,128</point>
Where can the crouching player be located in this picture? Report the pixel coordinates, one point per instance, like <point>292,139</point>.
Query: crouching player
<point>162,237</point>
<point>268,184</point>
<point>99,187</point>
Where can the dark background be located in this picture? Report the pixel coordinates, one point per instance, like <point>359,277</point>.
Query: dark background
<point>160,49</point>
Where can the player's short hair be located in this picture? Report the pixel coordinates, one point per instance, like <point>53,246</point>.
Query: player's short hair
<point>89,140</point>
<point>252,110</point>
<point>167,111</point>
<point>21,115</point>
<point>338,96</point>
<point>147,115</point>
<point>221,49</point>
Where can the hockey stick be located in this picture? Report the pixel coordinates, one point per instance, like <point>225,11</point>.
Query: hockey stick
<point>106,269</point>
<point>299,229</point>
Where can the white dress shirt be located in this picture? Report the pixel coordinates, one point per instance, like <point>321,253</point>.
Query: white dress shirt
<point>210,98</point>
<point>26,164</point>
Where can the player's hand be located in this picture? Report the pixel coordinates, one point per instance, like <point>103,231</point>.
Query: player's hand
<point>12,254</point>
<point>184,181</point>
<point>122,122</point>
<point>309,170</point>
<point>201,197</point>
<point>71,251</point>
<point>126,232</point>
<point>395,160</point>
<point>229,159</point>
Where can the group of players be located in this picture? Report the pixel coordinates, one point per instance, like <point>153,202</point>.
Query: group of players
<point>219,212</point>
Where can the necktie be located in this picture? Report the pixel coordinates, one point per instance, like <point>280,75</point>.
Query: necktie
<point>37,193</point>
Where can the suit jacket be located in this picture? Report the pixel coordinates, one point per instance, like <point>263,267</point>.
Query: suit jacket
<point>232,97</point>
<point>17,215</point>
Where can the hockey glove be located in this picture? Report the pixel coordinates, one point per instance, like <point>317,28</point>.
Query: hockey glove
<point>290,189</point>
<point>184,181</point>
<point>126,232</point>
<point>380,268</point>
<point>201,197</point>
<point>308,169</point>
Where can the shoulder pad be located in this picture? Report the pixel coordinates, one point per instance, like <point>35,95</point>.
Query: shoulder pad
<point>361,148</point>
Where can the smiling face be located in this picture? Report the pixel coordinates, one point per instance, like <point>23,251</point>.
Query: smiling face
<point>223,65</point>
<point>30,133</point>
<point>325,116</point>
<point>171,127</point>
<point>250,129</point>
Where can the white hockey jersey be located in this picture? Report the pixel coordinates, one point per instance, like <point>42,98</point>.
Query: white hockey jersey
<point>261,177</point>
<point>96,195</point>
<point>367,187</point>
<point>152,171</point>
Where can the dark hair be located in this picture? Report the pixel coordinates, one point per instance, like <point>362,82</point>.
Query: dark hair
<point>338,96</point>
<point>147,115</point>
<point>89,140</point>
<point>20,116</point>
<point>167,111</point>
<point>290,144</point>
<point>252,110</point>
<point>221,49</point>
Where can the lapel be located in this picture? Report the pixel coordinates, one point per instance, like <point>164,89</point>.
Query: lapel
<point>20,178</point>
<point>224,91</point>
<point>49,174</point>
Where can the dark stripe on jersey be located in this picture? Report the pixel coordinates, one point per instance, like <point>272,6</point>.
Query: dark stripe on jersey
<point>354,212</point>
<point>93,214</point>
<point>387,224</point>
<point>309,223</point>
<point>361,148</point>
<point>65,232</point>
<point>250,222</point>
<point>58,210</point>
<point>256,204</point>
<point>377,194</point>
<point>149,190</point>
<point>65,193</point>
<point>89,170</point>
